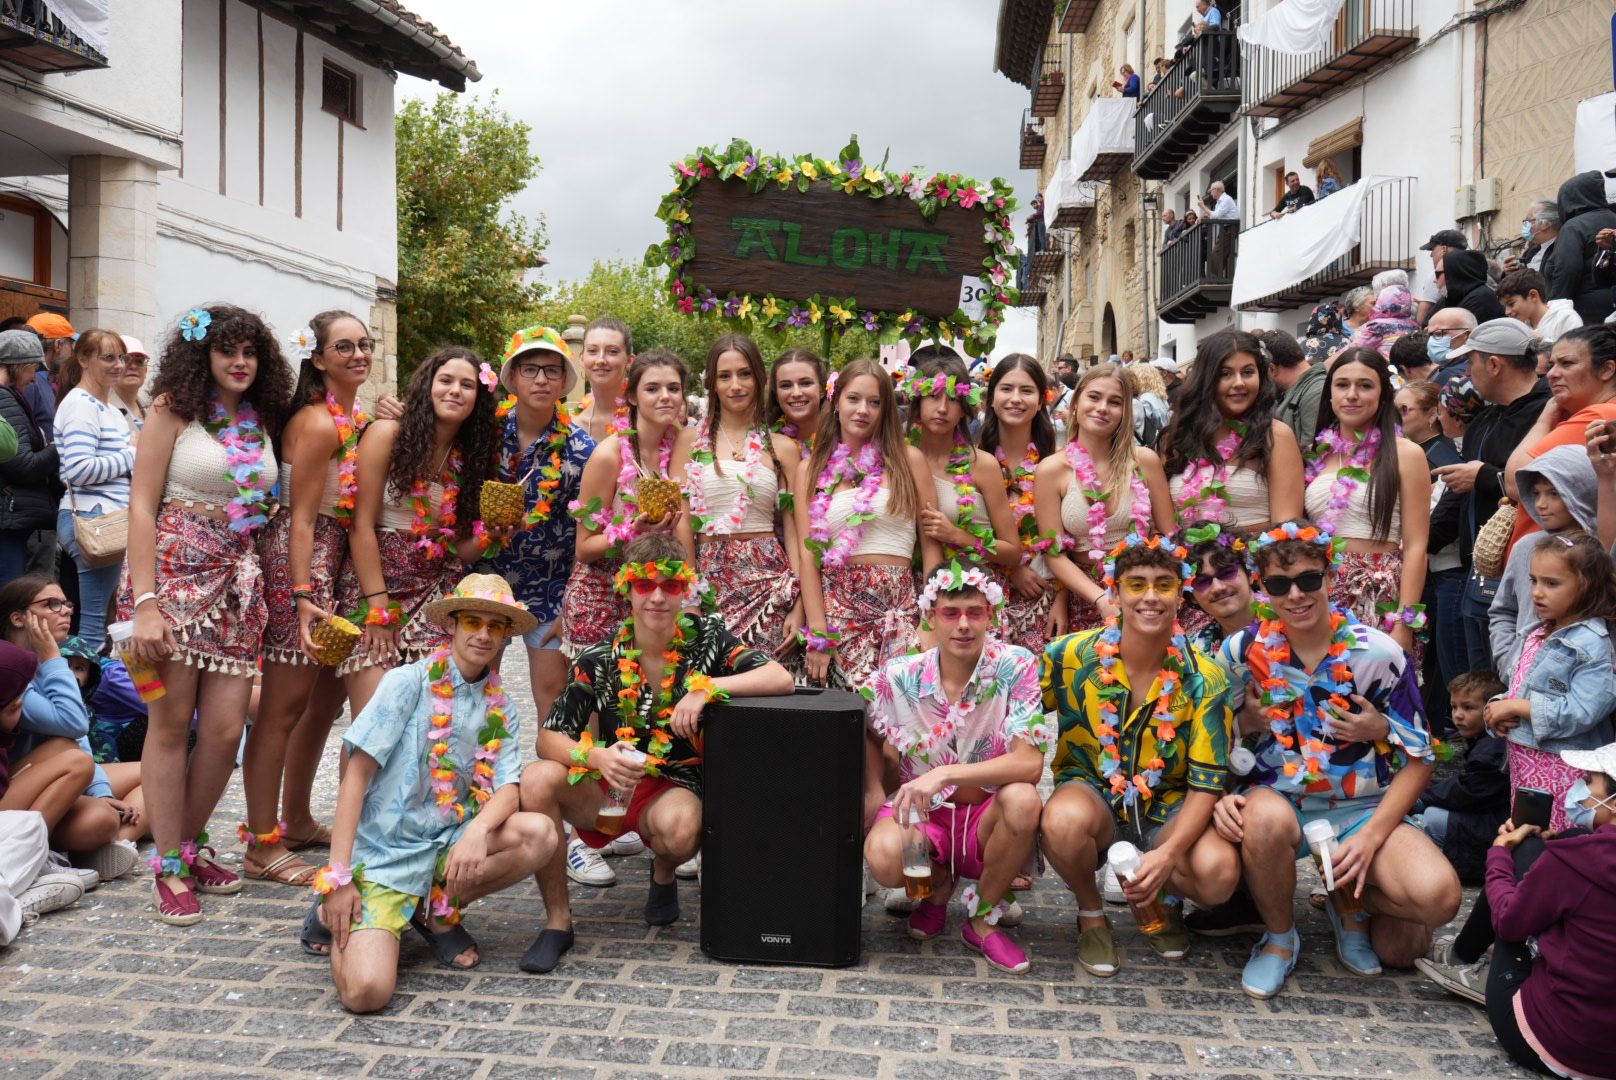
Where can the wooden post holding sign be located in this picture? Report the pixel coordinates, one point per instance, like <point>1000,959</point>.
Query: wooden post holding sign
<point>807,242</point>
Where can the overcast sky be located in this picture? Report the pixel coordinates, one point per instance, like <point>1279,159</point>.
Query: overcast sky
<point>616,90</point>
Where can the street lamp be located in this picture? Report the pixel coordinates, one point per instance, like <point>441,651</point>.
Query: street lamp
<point>1149,201</point>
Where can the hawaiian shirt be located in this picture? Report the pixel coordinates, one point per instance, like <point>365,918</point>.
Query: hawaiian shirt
<point>908,708</point>
<point>1195,760</point>
<point>710,649</point>
<point>401,832</point>
<point>539,560</point>
<point>1359,772</point>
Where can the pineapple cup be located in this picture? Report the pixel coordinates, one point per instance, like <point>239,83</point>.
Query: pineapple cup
<point>657,497</point>
<point>501,504</point>
<point>334,640</point>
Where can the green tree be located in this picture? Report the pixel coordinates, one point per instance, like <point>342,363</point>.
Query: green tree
<point>637,294</point>
<point>462,257</point>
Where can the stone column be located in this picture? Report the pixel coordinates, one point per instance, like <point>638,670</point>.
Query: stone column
<point>112,246</point>
<point>573,335</point>
<point>384,331</point>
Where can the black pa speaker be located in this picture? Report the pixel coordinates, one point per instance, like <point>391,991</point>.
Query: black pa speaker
<point>782,850</point>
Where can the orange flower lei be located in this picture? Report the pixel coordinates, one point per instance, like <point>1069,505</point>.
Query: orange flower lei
<point>1284,703</point>
<point>349,428</point>
<point>631,687</point>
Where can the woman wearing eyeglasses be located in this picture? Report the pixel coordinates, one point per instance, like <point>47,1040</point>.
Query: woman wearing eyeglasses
<point>97,451</point>
<point>132,399</point>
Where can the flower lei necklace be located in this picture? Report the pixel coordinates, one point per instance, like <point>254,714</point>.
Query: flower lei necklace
<point>349,427</point>
<point>961,458</point>
<point>243,442</point>
<point>708,523</point>
<point>866,473</point>
<point>1088,481</point>
<point>619,528</point>
<point>1357,453</point>
<point>1284,692</point>
<point>1112,693</point>
<point>440,763</point>
<point>555,444</point>
<point>433,530</point>
<point>1205,495</point>
<point>632,703</point>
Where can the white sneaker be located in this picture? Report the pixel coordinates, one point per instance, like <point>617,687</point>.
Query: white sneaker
<point>690,869</point>
<point>586,867</point>
<point>1468,981</point>
<point>58,863</point>
<point>1111,889</point>
<point>898,902</point>
<point>51,891</point>
<point>627,844</point>
<point>114,860</point>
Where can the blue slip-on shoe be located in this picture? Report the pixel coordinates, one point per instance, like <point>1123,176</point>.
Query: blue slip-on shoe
<point>1352,946</point>
<point>1265,973</point>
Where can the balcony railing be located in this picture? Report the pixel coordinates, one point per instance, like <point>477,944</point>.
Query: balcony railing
<point>1051,84</point>
<point>1366,34</point>
<point>1068,201</point>
<point>1189,107</point>
<point>1032,141</point>
<point>31,36</point>
<point>1076,14</point>
<point>1385,242</point>
<point>1197,270</point>
<point>1045,262</point>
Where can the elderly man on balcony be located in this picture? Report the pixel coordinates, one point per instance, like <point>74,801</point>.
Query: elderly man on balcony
<point>1223,209</point>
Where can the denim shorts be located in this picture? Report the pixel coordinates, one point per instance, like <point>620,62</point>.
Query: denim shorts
<point>535,636</point>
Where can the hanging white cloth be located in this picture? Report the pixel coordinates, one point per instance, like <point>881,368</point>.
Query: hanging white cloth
<point>1294,26</point>
<point>1278,254</point>
<point>1595,140</point>
<point>85,18</point>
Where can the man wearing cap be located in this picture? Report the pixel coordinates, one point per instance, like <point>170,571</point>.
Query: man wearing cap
<point>1504,373</point>
<point>1428,292</point>
<point>648,686</point>
<point>428,817</point>
<point>27,501</point>
<point>1170,375</point>
<point>57,335</point>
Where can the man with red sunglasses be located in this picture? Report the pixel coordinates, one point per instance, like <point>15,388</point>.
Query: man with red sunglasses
<point>648,687</point>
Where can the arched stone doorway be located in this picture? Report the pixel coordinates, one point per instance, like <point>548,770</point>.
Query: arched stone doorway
<point>33,257</point>
<point>1108,334</point>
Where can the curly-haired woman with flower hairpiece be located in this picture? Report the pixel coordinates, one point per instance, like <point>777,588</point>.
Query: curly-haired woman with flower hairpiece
<point>420,484</point>
<point>303,549</point>
<point>1371,487</point>
<point>859,530</point>
<point>202,485</point>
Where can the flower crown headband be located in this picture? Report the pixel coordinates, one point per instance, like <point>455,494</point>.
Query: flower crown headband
<point>956,578</point>
<point>1211,532</point>
<point>1332,548</point>
<point>1153,542</point>
<point>940,385</point>
<point>661,570</point>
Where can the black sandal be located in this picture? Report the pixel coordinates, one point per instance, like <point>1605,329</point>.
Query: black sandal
<point>546,951</point>
<point>448,945</point>
<point>314,933</point>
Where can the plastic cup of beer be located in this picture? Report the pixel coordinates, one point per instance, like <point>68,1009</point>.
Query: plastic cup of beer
<point>1151,914</point>
<point>142,673</point>
<point>917,881</point>
<point>613,812</point>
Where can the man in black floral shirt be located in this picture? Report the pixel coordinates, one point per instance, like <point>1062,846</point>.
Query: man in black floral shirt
<point>648,686</point>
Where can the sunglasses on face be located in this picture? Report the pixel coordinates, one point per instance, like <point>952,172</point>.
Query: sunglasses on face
<point>1280,585</point>
<point>669,586</point>
<point>472,623</point>
<point>973,613</point>
<point>1202,582</point>
<point>1136,587</point>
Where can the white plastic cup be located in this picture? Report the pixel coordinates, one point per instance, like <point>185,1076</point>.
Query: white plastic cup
<point>1242,761</point>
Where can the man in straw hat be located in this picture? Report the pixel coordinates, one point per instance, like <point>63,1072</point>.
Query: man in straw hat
<point>649,686</point>
<point>427,815</point>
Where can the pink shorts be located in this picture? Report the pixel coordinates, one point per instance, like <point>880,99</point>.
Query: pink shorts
<point>953,836</point>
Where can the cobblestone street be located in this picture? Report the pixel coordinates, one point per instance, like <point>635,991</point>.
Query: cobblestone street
<point>103,990</point>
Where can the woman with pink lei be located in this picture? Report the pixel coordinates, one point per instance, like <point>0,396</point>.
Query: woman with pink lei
<point>201,489</point>
<point>859,531</point>
<point>420,492</point>
<point>608,506</point>
<point>302,550</point>
<point>1368,485</point>
<point>797,396</point>
<point>1018,432</point>
<point>1102,488</point>
<point>738,484</point>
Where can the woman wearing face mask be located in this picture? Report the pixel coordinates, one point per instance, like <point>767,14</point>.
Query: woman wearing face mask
<point>1551,1013</point>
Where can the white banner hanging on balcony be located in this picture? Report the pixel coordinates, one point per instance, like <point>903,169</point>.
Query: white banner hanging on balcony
<point>85,18</point>
<point>1595,142</point>
<point>1294,26</point>
<point>1278,254</point>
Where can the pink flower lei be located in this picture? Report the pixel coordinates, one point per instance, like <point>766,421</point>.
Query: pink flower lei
<point>243,442</point>
<point>441,766</point>
<point>960,460</point>
<point>1206,498</point>
<point>1358,454</point>
<point>1088,480</point>
<point>866,472</point>
<point>707,523</point>
<point>619,528</point>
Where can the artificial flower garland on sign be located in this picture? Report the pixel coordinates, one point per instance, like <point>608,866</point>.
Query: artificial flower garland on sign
<point>243,442</point>
<point>440,762</point>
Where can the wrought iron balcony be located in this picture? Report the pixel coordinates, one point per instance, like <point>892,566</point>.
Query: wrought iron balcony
<point>1187,109</point>
<point>1069,201</point>
<point>1051,84</point>
<point>1366,34</point>
<point>1045,262</point>
<point>1032,141</point>
<point>1197,270</point>
<point>1385,233</point>
<point>1076,15</point>
<point>31,36</point>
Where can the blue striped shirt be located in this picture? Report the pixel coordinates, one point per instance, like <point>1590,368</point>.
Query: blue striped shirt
<point>93,442</point>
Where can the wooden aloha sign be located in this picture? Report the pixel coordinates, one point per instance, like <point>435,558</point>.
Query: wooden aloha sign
<point>797,242</point>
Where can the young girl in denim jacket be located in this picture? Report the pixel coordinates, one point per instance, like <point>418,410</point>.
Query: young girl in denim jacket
<point>1563,688</point>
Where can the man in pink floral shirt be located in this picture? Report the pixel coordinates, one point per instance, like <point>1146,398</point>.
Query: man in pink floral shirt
<point>967,724</point>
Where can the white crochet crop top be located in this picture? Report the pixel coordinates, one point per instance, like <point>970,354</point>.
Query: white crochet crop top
<point>1247,494</point>
<point>328,497</point>
<point>883,534</point>
<point>196,470</point>
<point>722,492</point>
<point>1353,523</point>
<point>948,502</point>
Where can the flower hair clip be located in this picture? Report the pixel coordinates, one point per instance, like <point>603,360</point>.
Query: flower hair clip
<point>830,385</point>
<point>300,346</point>
<point>194,324</point>
<point>488,377</point>
<point>956,578</point>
